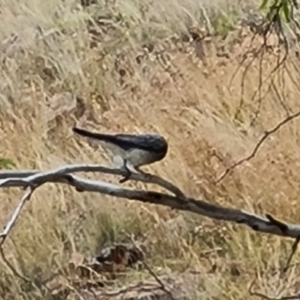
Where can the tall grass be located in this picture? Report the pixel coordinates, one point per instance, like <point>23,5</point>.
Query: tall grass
<point>138,74</point>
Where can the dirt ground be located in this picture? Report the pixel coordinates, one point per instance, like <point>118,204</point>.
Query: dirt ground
<point>203,96</point>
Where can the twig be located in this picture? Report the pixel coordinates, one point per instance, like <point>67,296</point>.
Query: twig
<point>294,249</point>
<point>8,227</point>
<point>151,272</point>
<point>274,23</point>
<point>13,270</point>
<point>278,66</point>
<point>158,281</point>
<point>258,145</point>
<point>15,215</point>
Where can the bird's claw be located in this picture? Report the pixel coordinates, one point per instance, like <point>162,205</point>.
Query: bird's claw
<point>127,173</point>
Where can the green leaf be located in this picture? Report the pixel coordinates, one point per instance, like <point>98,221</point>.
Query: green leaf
<point>285,8</point>
<point>271,14</point>
<point>6,163</point>
<point>263,4</point>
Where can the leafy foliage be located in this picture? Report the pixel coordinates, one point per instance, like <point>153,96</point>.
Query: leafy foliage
<point>283,9</point>
<point>6,163</point>
<point>225,23</point>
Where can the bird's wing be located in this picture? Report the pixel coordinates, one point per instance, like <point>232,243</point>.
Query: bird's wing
<point>93,135</point>
<point>148,142</point>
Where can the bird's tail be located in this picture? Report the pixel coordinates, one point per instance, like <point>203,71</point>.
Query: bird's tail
<point>93,135</point>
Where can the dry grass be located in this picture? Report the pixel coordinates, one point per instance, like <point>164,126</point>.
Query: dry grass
<point>171,91</point>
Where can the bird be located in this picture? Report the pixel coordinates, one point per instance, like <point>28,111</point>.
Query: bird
<point>135,150</point>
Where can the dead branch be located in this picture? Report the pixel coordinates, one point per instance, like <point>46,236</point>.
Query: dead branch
<point>258,145</point>
<point>15,215</point>
<point>10,178</point>
<point>266,224</point>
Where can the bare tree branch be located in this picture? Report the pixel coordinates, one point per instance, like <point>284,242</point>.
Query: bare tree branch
<point>10,178</point>
<point>258,145</point>
<point>266,224</point>
<point>34,179</point>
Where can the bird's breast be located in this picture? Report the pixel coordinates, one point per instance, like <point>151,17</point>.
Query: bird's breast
<point>139,157</point>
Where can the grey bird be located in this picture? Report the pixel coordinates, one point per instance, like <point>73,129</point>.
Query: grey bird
<point>135,150</point>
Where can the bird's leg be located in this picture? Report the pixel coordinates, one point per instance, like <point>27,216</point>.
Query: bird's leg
<point>141,171</point>
<point>126,171</point>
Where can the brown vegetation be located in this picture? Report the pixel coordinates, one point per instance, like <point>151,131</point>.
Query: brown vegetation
<point>108,70</point>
